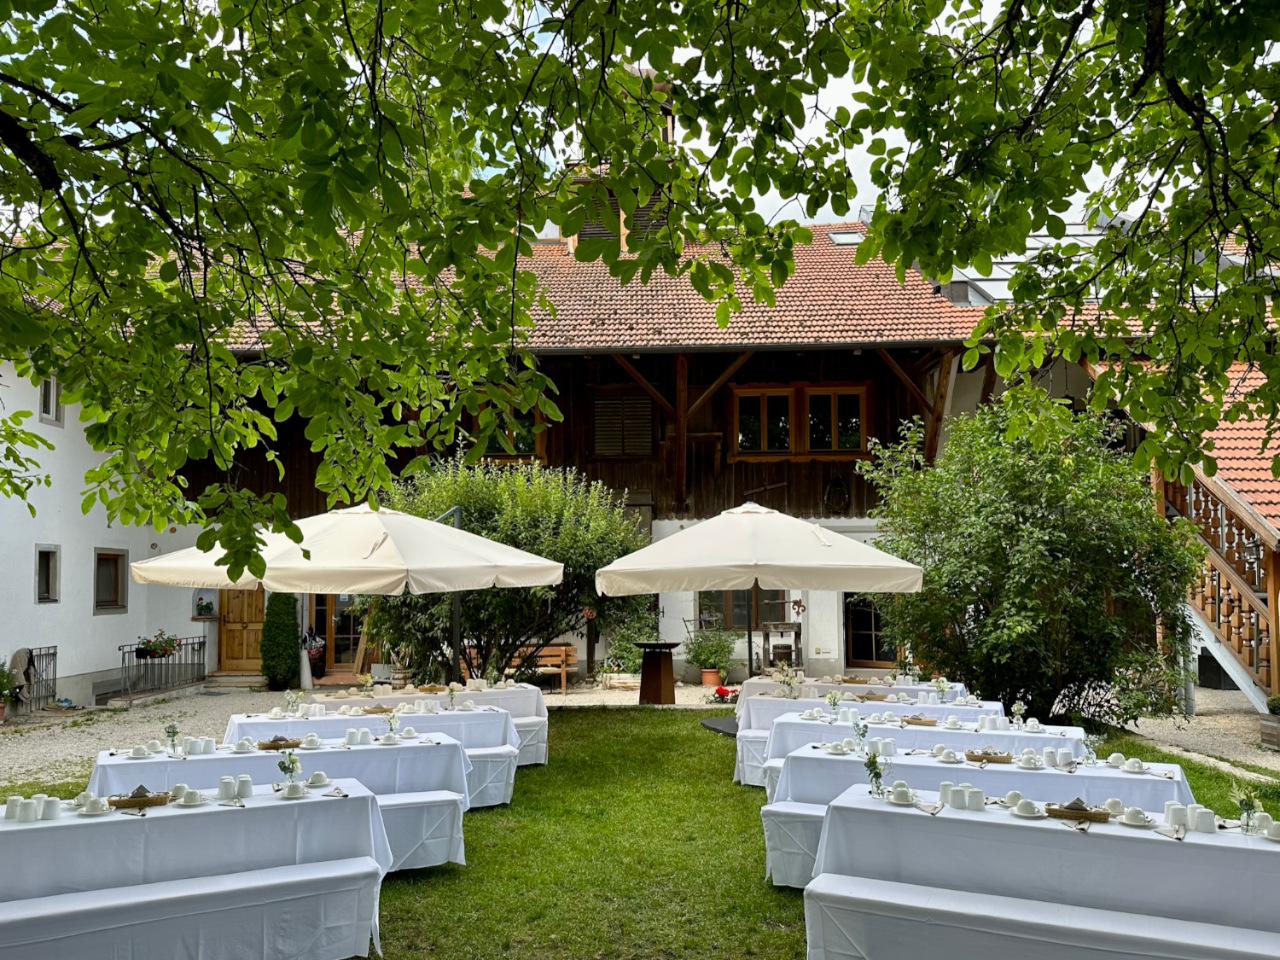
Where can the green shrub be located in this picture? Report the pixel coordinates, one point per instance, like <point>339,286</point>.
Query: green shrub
<point>1046,568</point>
<point>711,648</point>
<point>6,683</point>
<point>557,514</point>
<point>281,641</point>
<point>624,656</point>
<point>1273,705</point>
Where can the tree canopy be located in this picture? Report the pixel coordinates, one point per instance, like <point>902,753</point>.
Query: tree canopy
<point>1045,568</point>
<point>218,216</point>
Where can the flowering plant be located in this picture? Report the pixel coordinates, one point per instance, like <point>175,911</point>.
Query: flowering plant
<point>291,699</point>
<point>1246,798</point>
<point>393,722</point>
<point>454,687</point>
<point>790,682</point>
<point>365,682</point>
<point>204,608</point>
<point>1018,709</point>
<point>723,695</point>
<point>833,700</point>
<point>161,645</point>
<point>171,731</point>
<point>289,765</point>
<point>940,684</point>
<point>875,776</point>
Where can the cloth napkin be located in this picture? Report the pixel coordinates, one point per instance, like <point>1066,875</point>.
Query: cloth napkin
<point>1174,833</point>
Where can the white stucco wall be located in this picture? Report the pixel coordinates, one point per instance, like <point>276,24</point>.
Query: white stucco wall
<point>86,641</point>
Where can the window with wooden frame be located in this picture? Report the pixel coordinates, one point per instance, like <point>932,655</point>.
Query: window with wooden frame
<point>110,581</point>
<point>803,421</point>
<point>622,424</point>
<point>730,608</point>
<point>51,402</point>
<point>864,643</point>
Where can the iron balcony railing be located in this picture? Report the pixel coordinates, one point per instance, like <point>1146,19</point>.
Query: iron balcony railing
<point>141,672</point>
<point>44,688</point>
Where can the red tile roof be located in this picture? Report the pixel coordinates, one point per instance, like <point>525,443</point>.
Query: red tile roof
<point>829,300</point>
<point>1242,464</point>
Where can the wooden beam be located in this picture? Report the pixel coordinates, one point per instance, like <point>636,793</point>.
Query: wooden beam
<point>988,379</point>
<point>933,424</point>
<point>645,385</point>
<point>1272,560</point>
<point>907,381</point>
<point>682,427</point>
<point>721,380</point>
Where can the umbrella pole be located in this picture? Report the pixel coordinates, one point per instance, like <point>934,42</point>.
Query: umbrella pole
<point>751,618</point>
<point>456,514</point>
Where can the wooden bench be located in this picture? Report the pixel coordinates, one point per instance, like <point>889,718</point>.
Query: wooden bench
<point>555,658</point>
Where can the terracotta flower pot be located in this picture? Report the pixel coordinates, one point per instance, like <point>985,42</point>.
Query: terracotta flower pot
<point>711,678</point>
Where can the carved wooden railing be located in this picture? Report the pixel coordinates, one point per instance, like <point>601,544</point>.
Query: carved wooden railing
<point>1235,593</point>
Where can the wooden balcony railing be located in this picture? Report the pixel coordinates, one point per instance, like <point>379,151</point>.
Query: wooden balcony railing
<point>1235,593</point>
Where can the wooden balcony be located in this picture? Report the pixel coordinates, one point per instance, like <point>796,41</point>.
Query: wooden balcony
<point>1235,593</point>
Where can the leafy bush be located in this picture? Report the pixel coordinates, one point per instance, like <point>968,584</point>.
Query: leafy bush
<point>557,514</point>
<point>1273,703</point>
<point>6,682</point>
<point>624,656</point>
<point>711,648</point>
<point>1046,567</point>
<point>281,642</point>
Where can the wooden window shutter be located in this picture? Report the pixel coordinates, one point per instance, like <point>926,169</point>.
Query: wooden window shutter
<point>623,425</point>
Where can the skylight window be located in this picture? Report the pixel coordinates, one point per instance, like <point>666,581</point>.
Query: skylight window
<point>850,238</point>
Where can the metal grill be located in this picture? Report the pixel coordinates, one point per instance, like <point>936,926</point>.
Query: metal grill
<point>146,674</point>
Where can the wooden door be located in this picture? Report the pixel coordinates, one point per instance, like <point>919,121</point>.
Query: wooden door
<point>240,634</point>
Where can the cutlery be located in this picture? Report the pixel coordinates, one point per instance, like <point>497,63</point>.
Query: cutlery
<point>1173,833</point>
<point>931,809</point>
<point>276,787</point>
<point>233,802</point>
<point>133,811</point>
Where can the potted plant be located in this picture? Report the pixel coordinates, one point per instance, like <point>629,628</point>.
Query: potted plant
<point>401,655</point>
<point>161,645</point>
<point>1271,724</point>
<point>710,650</point>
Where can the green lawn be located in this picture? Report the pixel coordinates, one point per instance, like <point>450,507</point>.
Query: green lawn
<point>632,843</point>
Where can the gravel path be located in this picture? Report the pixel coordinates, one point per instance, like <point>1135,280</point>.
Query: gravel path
<point>1225,726</point>
<point>65,750</point>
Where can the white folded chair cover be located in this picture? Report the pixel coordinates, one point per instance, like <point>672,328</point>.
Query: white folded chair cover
<point>320,911</point>
<point>425,829</point>
<point>791,835</point>
<point>772,771</point>
<point>533,739</point>
<point>854,918</point>
<point>749,768</point>
<point>492,777</point>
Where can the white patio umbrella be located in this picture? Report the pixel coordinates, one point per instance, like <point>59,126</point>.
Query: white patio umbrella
<point>361,550</point>
<point>752,546</point>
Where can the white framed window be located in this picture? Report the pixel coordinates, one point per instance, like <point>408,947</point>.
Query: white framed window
<point>48,573</point>
<point>110,580</point>
<point>51,402</point>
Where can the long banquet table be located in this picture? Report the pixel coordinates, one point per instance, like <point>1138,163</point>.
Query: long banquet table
<point>758,713</point>
<point>1222,878</point>
<point>790,732</point>
<point>411,766</point>
<point>484,727</point>
<point>74,854</point>
<point>519,699</point>
<point>813,687</point>
<point>815,776</point>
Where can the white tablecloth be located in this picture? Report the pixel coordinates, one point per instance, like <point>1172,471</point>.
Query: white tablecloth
<point>75,853</point>
<point>812,687</point>
<point>789,733</point>
<point>1221,878</point>
<point>488,727</point>
<point>758,713</point>
<point>412,766</point>
<point>815,776</point>
<point>520,700</point>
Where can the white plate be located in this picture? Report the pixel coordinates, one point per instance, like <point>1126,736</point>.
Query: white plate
<point>130,756</point>
<point>1038,815</point>
<point>183,806</point>
<point>409,736</point>
<point>836,753</point>
<point>383,743</point>
<point>1038,766</point>
<point>903,803</point>
<point>1149,822</point>
<point>956,760</point>
<point>285,796</point>
<point>313,786</point>
<point>92,813</point>
<point>241,752</point>
<point>1145,769</point>
<point>1265,836</point>
<point>303,746</point>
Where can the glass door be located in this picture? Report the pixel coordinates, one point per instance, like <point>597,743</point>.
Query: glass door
<point>340,627</point>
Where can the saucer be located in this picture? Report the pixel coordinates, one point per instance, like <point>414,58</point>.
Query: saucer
<point>409,736</point>
<point>130,756</point>
<point>318,746</point>
<point>1267,836</point>
<point>382,743</point>
<point>1144,769</point>
<point>242,750</point>
<point>1038,815</point>
<point>956,760</point>
<point>903,803</point>
<point>202,801</point>
<point>327,783</point>
<point>841,752</point>
<point>1148,822</point>
<point>302,796</point>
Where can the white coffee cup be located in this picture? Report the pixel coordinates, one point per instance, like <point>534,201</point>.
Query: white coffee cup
<point>1206,821</point>
<point>938,748</point>
<point>944,791</point>
<point>843,715</point>
<point>1114,805</point>
<point>977,798</point>
<point>410,732</point>
<point>226,788</point>
<point>208,745</point>
<point>875,745</point>
<point>1273,831</point>
<point>948,756</point>
<point>318,778</point>
<point>1116,760</point>
<point>1193,811</point>
<point>1050,757</point>
<point>388,738</point>
<point>1065,757</point>
<point>902,794</point>
<point>1133,765</point>
<point>874,718</point>
<point>276,712</point>
<point>155,746</point>
<point>959,797</point>
<point>295,789</point>
<point>140,751</point>
<point>848,743</point>
<point>1135,815</point>
<point>1027,763</point>
<point>1175,814</point>
<point>1013,798</point>
<point>933,699</point>
<point>82,798</point>
<point>890,717</point>
<point>1263,821</point>
<point>312,740</point>
<point>984,723</point>
<point>1002,723</point>
<point>1027,808</point>
<point>1028,751</point>
<point>353,736</point>
<point>98,805</point>
<point>177,790</point>
<point>186,744</point>
<point>51,809</point>
<point>244,786</point>
<point>28,811</point>
<point>366,736</point>
<point>889,747</point>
